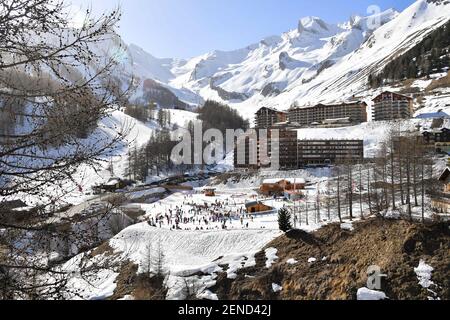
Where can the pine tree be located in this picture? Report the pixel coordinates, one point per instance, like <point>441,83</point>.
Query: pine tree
<point>284,220</point>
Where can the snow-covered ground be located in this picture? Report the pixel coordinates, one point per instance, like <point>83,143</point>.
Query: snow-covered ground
<point>198,234</point>
<point>185,254</point>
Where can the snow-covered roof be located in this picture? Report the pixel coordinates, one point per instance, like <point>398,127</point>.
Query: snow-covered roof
<point>290,180</point>
<point>433,115</point>
<point>112,182</point>
<point>336,120</point>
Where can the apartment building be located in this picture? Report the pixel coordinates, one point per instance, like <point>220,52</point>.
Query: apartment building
<point>259,148</point>
<point>392,106</point>
<point>294,153</point>
<point>267,117</point>
<point>355,112</point>
<point>327,152</point>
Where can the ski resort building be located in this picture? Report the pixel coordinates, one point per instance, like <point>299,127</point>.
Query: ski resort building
<point>294,153</point>
<point>276,187</point>
<point>440,201</point>
<point>287,148</point>
<point>256,157</point>
<point>257,207</point>
<point>328,152</point>
<point>330,114</point>
<point>267,117</point>
<point>391,106</point>
<point>433,136</point>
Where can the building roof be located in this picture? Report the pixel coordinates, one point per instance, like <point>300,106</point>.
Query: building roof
<point>444,176</point>
<point>252,203</point>
<point>271,109</point>
<point>286,124</point>
<point>434,131</point>
<point>394,93</point>
<point>290,180</point>
<point>433,115</point>
<point>346,103</point>
<point>294,192</point>
<point>346,119</point>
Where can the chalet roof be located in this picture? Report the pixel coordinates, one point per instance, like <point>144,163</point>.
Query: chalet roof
<point>252,203</point>
<point>290,180</point>
<point>444,176</point>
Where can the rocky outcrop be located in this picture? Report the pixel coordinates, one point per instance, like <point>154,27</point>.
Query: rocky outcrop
<point>324,65</point>
<point>270,90</point>
<point>287,62</point>
<point>153,91</point>
<point>227,95</point>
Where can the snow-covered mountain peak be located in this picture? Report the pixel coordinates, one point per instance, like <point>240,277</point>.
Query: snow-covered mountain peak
<point>146,65</point>
<point>315,62</point>
<point>312,24</point>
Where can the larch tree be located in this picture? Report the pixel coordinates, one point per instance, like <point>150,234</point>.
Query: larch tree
<point>55,86</point>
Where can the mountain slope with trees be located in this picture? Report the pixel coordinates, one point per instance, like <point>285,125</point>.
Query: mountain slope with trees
<point>431,55</point>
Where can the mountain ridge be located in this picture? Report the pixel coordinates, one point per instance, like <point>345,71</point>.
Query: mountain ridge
<point>315,62</point>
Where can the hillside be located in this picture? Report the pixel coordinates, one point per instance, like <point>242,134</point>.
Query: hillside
<point>331,263</point>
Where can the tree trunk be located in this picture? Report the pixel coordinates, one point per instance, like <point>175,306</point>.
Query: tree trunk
<point>369,198</point>
<point>339,196</point>
<point>400,172</point>
<point>408,187</point>
<point>360,192</point>
<point>423,191</point>
<point>394,207</point>
<point>416,201</point>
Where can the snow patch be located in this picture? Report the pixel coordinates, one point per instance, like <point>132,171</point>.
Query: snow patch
<point>276,288</point>
<point>312,260</point>
<point>271,255</point>
<point>367,294</point>
<point>424,273</point>
<point>347,226</point>
<point>292,261</point>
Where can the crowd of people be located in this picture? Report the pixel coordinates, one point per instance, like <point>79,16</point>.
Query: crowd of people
<point>191,215</point>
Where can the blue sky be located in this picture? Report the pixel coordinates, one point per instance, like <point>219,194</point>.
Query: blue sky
<point>186,28</point>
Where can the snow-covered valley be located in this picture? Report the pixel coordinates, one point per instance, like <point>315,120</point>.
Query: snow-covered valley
<point>119,219</point>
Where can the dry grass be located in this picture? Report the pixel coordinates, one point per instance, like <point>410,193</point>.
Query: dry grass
<point>139,286</point>
<point>439,83</point>
<point>394,245</point>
